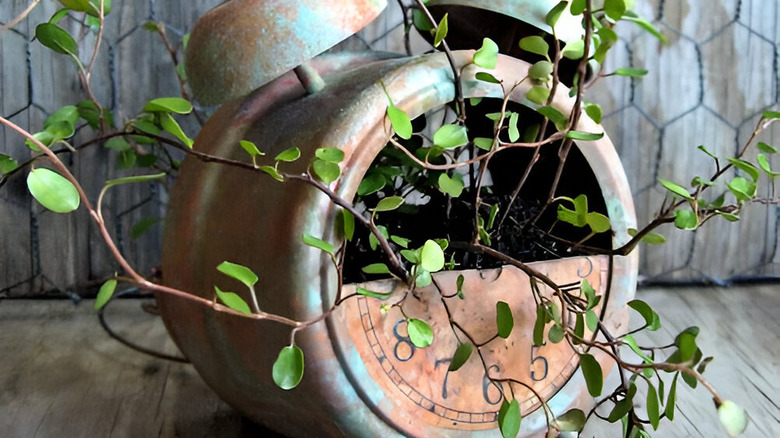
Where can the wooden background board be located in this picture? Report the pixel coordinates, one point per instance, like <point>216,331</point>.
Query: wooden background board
<point>62,376</point>
<point>708,86</point>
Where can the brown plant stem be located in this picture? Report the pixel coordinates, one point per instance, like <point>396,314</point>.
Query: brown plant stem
<point>20,17</point>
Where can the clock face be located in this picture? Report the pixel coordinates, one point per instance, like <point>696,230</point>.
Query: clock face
<point>418,380</point>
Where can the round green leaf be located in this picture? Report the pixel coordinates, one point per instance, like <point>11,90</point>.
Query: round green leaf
<point>593,111</point>
<point>432,256</point>
<point>538,95</point>
<point>462,354</point>
<point>574,49</point>
<point>423,278</point>
<point>53,191</point>
<point>555,13</point>
<point>742,189</point>
<point>420,333</point>
<point>326,171</point>
<point>487,55</point>
<point>250,148</point>
<point>421,21</point>
<point>288,368</point>
<point>450,136</point>
<point>372,183</point>
<point>239,272</point>
<point>594,378</point>
<point>732,417</point>
<point>333,155</point>
<point>289,155</point>
<point>535,44</point>
<point>556,333</point>
<point>614,9</point>
<point>504,319</point>
<point>92,7</point>
<point>105,293</point>
<point>686,219</point>
<point>169,104</point>
<point>68,114</point>
<point>541,71</point>
<point>598,222</point>
<point>7,164</point>
<point>56,38</point>
<point>572,421</point>
<point>451,186</point>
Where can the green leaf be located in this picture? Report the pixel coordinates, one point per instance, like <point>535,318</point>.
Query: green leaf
<point>703,365</point>
<point>332,155</point>
<point>630,72</point>
<point>320,244</point>
<point>169,124</point>
<point>423,278</point>
<point>653,409</point>
<point>7,164</point>
<point>233,301</point>
<point>745,167</point>
<point>400,122</point>
<point>728,216</point>
<point>572,421</point>
<point>541,321</point>
<point>250,148</point>
<point>763,147</point>
<point>142,226</point>
<point>372,294</point>
<point>555,116</point>
<point>651,318</point>
<point>450,136</point>
<point>594,378</point>
<point>620,410</point>
<point>388,204</point>
<point>614,9</point>
<point>742,189</point>
<point>451,186</point>
<point>326,171</point>
<point>400,241</point>
<point>462,354</point>
<point>538,94</point>
<point>732,417</point>
<point>288,368</point>
<point>420,333</point>
<point>649,238</point>
<point>273,172</point>
<point>92,7</point>
<point>672,400</point>
<point>483,143</point>
<point>432,256</point>
<point>169,104</point>
<point>514,133</point>
<point>441,31</point>
<point>347,224</point>
<point>372,183</point>
<point>591,320</point>
<point>555,13</point>
<point>57,39</point>
<point>53,191</point>
<point>68,114</point>
<point>770,115</point>
<point>535,44</point>
<point>238,272</point>
<point>574,49</point>
<point>584,136</point>
<point>509,419</point>
<point>487,55</point>
<point>105,293</point>
<point>492,216</point>
<point>421,21</point>
<point>675,188</point>
<point>590,293</point>
<point>486,77</point>
<point>289,155</point>
<point>598,222</point>
<point>376,268</point>
<point>593,111</point>
<point>504,319</point>
<point>763,162</point>
<point>577,7</point>
<point>644,24</point>
<point>541,71</point>
<point>134,179</point>
<point>686,219</point>
<point>556,333</point>
<point>89,112</point>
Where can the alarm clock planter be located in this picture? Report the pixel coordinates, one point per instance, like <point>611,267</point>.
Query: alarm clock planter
<point>363,377</point>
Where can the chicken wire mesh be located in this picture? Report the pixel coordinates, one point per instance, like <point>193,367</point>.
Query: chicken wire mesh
<point>708,85</point>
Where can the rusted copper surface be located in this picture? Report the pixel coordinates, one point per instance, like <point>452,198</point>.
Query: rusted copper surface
<point>220,213</point>
<point>243,44</point>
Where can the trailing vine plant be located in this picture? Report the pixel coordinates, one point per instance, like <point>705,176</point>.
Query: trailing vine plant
<point>448,162</point>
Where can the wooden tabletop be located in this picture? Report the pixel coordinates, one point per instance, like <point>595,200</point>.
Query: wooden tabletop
<point>61,375</point>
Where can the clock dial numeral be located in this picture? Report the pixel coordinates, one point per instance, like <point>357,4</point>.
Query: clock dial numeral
<point>404,349</point>
<point>495,398</point>
<point>537,377</point>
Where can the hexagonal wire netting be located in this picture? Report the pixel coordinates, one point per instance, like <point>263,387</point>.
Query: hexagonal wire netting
<point>708,85</point>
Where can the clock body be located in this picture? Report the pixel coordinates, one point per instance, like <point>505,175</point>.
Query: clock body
<point>362,375</point>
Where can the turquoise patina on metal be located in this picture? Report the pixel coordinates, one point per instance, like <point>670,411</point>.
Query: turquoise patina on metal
<point>242,44</point>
